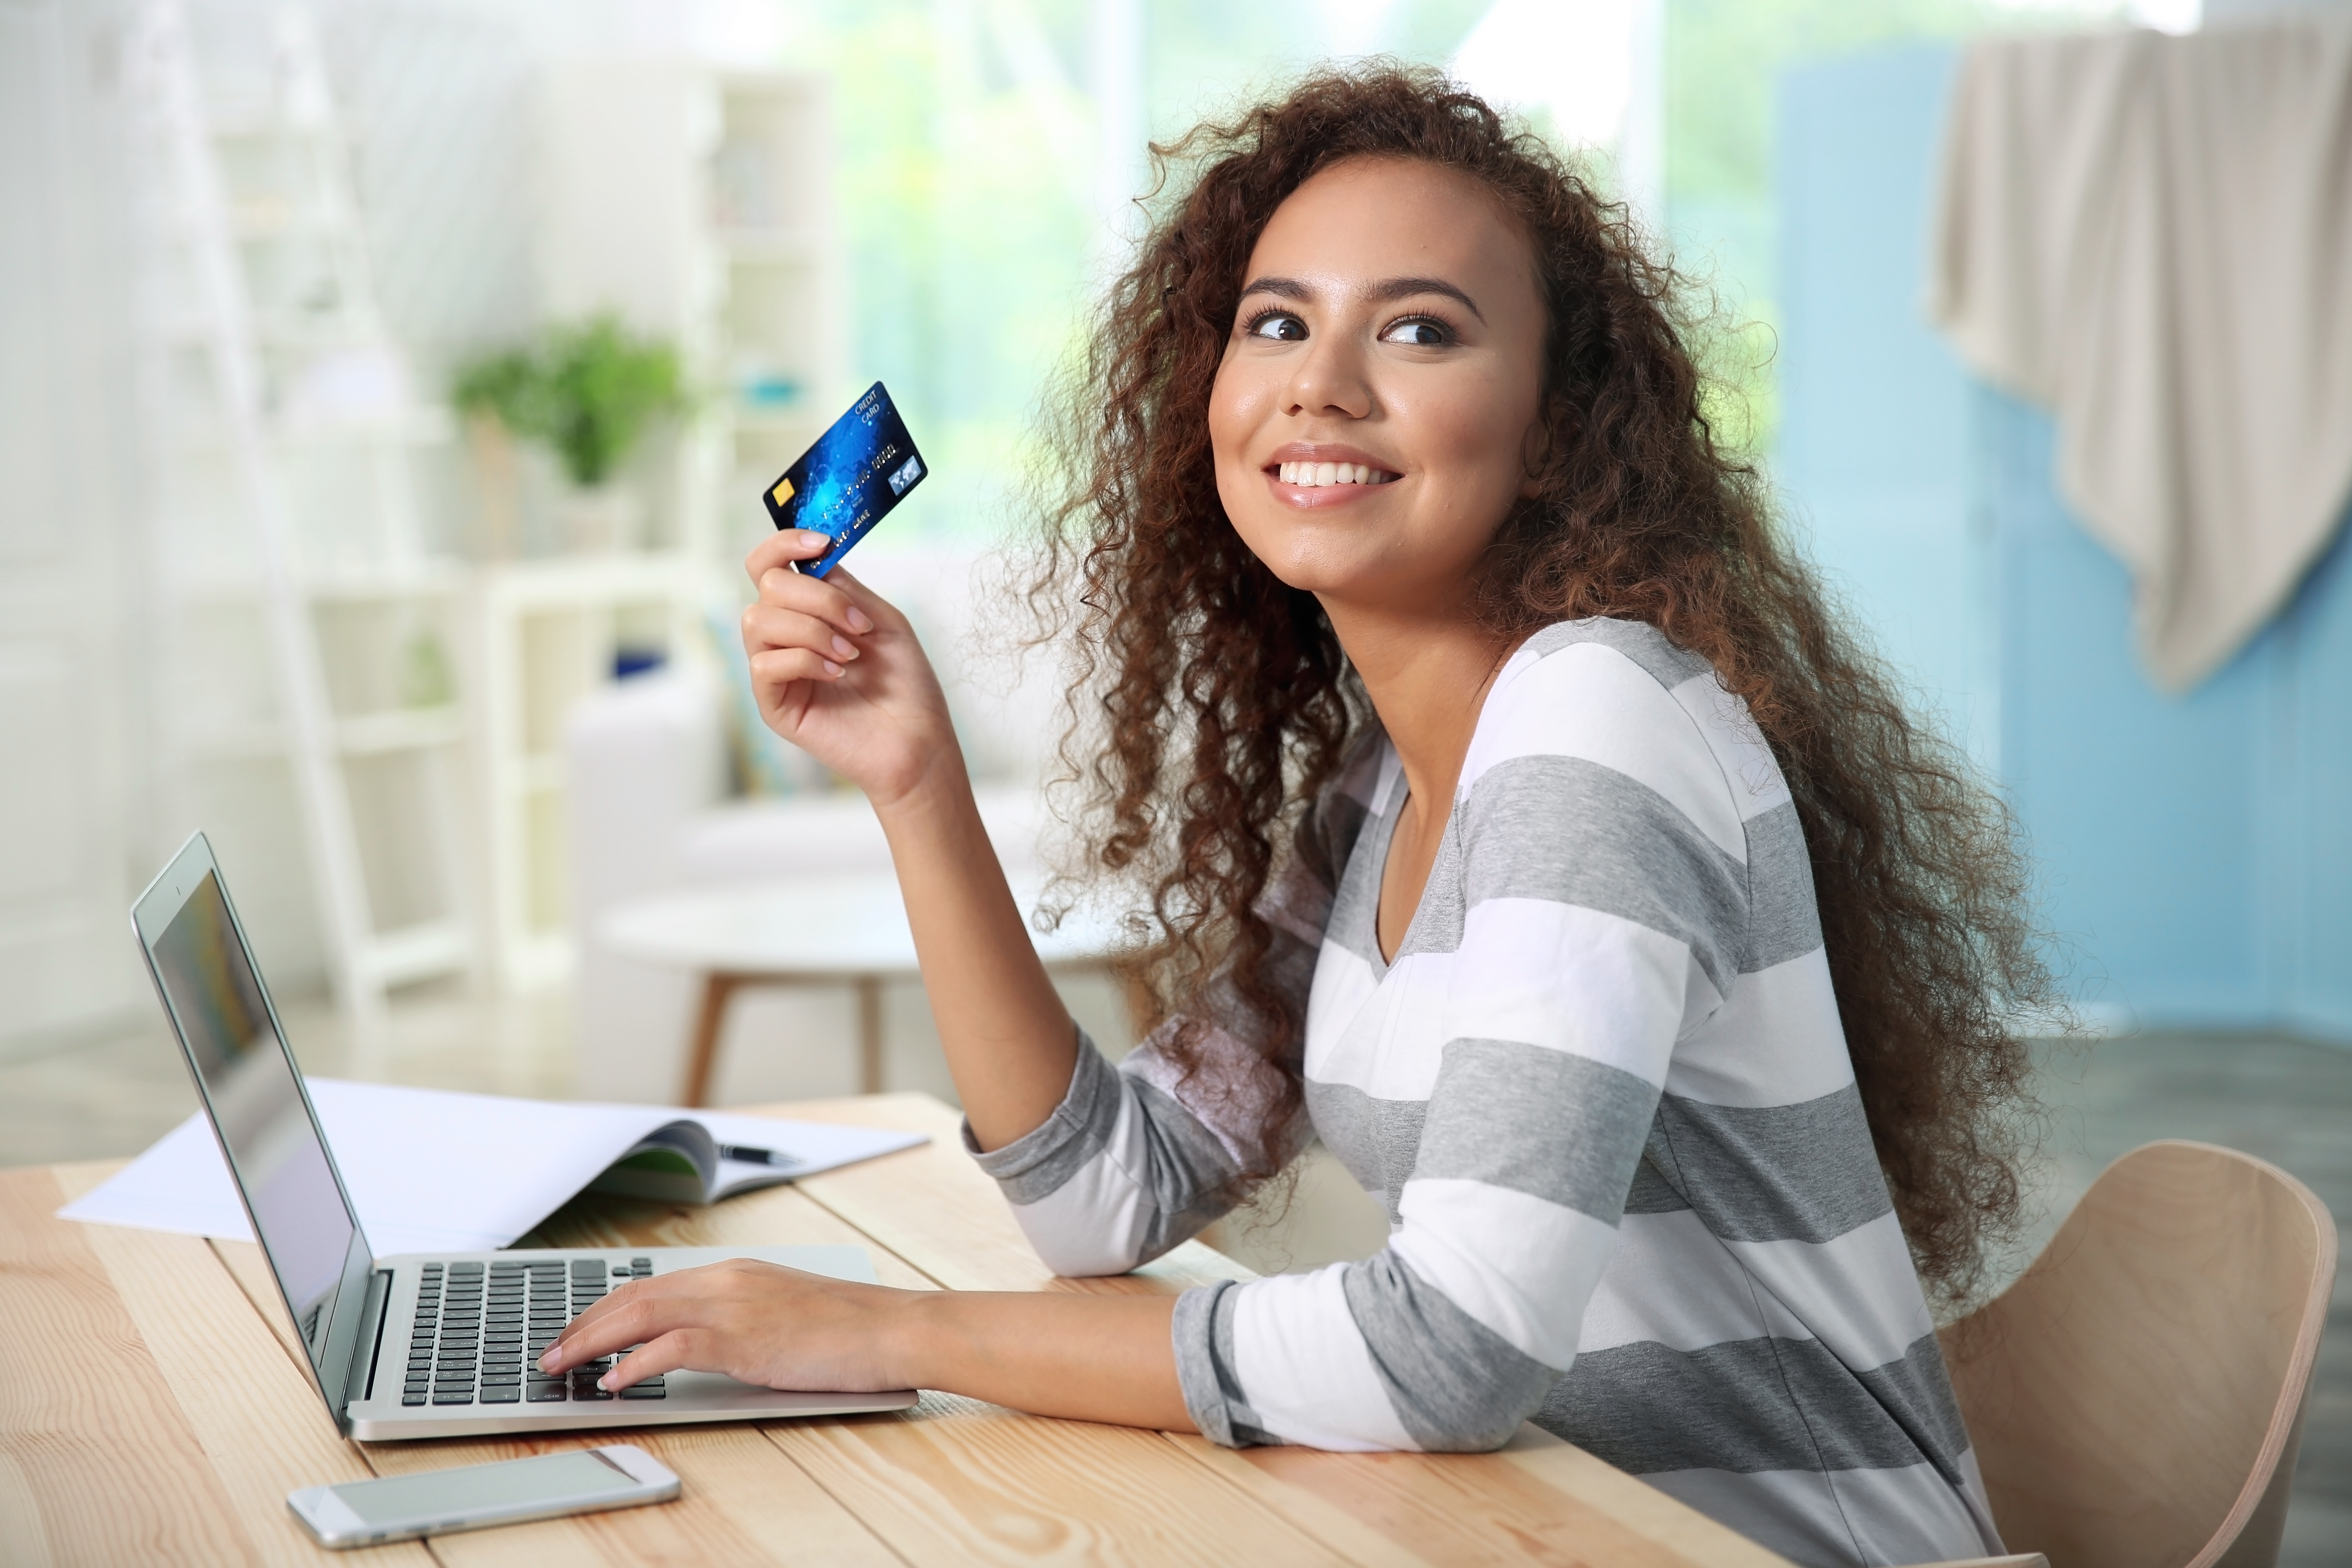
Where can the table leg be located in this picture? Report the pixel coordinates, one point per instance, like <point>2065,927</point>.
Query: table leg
<point>709,1023</point>
<point>869,1034</point>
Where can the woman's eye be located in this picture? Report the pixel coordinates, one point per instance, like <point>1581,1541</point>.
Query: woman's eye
<point>1280,326</point>
<point>1418,332</point>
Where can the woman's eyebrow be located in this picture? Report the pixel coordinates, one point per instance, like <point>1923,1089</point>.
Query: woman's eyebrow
<point>1404,288</point>
<point>1282,288</point>
<point>1386,290</point>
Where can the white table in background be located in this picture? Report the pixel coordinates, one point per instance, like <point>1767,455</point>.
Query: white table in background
<point>841,930</point>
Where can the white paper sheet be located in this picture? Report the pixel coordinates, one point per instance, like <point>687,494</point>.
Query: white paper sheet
<point>434,1171</point>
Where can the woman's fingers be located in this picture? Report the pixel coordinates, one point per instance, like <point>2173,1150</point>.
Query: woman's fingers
<point>769,567</point>
<point>784,547</point>
<point>766,627</point>
<point>837,596</point>
<point>779,668</point>
<point>865,605</point>
<point>644,1310</point>
<point>827,600</point>
<point>690,1348</point>
<point>619,1320</point>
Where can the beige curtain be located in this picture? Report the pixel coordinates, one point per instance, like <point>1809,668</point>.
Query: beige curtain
<point>2152,237</point>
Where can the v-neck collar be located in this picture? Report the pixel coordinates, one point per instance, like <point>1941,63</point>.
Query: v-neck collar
<point>1395,790</point>
<point>1389,797</point>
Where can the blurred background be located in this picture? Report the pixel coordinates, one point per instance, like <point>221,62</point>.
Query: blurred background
<point>387,388</point>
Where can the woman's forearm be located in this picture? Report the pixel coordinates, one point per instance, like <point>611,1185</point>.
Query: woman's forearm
<point>1010,1043</point>
<point>837,671</point>
<point>1086,1358</point>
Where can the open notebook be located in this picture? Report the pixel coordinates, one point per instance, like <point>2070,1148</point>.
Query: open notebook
<point>432,1171</point>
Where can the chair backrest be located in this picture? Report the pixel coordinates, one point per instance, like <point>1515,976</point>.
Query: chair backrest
<point>2135,1397</point>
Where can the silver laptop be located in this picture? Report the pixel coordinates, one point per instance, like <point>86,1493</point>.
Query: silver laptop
<point>414,1345</point>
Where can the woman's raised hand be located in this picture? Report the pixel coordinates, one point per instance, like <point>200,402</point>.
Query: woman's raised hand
<point>837,672</point>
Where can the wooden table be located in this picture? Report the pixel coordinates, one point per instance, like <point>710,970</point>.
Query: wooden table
<point>847,928</point>
<point>152,1410</point>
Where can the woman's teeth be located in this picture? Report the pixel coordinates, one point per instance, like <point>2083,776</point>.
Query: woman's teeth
<point>1311,474</point>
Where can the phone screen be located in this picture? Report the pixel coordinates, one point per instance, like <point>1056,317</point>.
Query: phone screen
<point>434,1495</point>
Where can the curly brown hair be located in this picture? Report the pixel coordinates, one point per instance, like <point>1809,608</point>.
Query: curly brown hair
<point>1212,700</point>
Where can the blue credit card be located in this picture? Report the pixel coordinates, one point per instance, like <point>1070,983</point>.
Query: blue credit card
<point>860,469</point>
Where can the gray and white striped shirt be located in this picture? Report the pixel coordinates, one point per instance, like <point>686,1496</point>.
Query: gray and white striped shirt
<point>1604,1093</point>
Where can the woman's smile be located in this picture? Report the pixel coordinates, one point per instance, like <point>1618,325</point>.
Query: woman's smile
<point>1311,473</point>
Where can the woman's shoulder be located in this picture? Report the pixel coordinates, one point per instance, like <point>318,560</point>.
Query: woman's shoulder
<point>1622,698</point>
<point>1598,640</point>
<point>1584,681</point>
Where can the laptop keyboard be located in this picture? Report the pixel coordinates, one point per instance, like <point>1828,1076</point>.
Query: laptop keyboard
<point>479,1330</point>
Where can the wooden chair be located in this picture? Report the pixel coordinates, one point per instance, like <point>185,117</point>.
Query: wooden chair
<point>2136,1398</point>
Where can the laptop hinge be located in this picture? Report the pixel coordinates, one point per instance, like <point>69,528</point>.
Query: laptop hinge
<point>358,1379</point>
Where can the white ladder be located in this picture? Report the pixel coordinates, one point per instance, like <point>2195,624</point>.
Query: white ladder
<point>294,566</point>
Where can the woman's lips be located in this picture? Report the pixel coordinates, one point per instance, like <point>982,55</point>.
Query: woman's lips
<point>1317,476</point>
<point>1324,473</point>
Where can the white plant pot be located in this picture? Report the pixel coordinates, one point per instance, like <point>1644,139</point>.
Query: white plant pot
<point>599,521</point>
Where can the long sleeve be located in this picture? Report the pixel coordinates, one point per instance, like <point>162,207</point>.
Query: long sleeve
<point>1135,1159</point>
<point>1585,909</point>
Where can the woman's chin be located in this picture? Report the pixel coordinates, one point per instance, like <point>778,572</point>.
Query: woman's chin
<point>1299,564</point>
<point>1345,575</point>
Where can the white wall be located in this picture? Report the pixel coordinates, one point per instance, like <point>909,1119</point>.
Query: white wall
<point>72,784</point>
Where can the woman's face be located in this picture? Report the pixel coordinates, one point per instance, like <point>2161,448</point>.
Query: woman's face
<point>1372,416</point>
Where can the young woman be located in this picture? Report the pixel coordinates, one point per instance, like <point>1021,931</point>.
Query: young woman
<point>1519,821</point>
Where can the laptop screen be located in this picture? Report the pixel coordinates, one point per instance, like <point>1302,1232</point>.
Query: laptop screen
<point>249,1080</point>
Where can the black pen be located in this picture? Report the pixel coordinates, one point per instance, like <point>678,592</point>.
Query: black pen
<point>751,1156</point>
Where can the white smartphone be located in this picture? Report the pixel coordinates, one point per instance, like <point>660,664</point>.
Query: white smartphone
<point>472,1497</point>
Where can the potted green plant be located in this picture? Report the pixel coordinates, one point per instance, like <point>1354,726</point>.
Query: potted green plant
<point>588,391</point>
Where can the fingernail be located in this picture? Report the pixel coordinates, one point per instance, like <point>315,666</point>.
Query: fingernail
<point>830,668</point>
<point>857,621</point>
<point>843,647</point>
<point>810,538</point>
<point>606,1383</point>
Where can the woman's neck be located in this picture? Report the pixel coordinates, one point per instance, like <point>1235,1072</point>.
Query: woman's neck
<point>1427,673</point>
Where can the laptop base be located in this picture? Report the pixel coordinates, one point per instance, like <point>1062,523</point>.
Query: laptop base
<point>457,1328</point>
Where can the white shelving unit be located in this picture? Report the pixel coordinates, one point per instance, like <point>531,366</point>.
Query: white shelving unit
<point>781,346</point>
<point>310,628</point>
<point>545,633</point>
<point>697,207</point>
